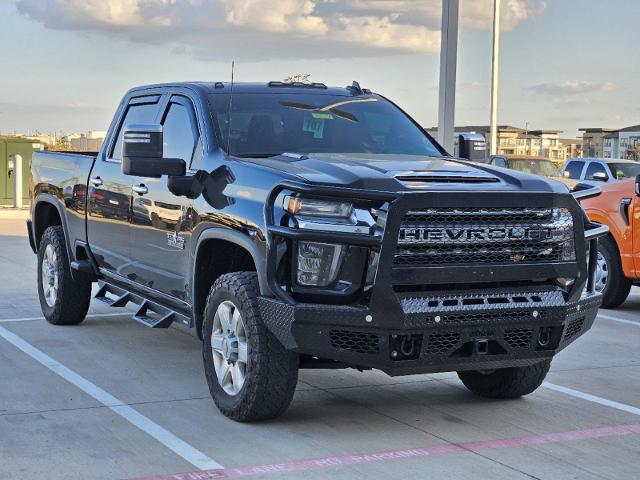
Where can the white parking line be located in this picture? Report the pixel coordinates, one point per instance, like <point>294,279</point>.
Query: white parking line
<point>592,398</point>
<point>32,319</point>
<point>616,319</point>
<point>168,439</point>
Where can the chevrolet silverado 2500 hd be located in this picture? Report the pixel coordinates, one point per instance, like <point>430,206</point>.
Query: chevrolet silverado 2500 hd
<point>300,226</point>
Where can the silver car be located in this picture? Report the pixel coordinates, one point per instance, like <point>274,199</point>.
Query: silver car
<point>595,171</point>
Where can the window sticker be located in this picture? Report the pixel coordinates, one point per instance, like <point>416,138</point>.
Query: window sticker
<point>324,116</point>
<point>313,125</point>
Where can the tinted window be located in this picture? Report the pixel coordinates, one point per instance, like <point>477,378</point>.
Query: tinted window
<point>143,113</point>
<point>273,123</point>
<point>499,162</point>
<point>592,169</point>
<point>574,169</point>
<point>178,134</point>
<point>625,170</point>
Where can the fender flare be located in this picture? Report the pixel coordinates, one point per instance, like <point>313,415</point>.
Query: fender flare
<point>55,202</point>
<point>232,236</point>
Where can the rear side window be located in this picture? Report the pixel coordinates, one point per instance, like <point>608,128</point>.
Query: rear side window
<point>574,169</point>
<point>592,169</point>
<point>178,134</point>
<point>136,113</point>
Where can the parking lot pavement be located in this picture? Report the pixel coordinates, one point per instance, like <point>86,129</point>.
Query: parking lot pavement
<point>112,399</point>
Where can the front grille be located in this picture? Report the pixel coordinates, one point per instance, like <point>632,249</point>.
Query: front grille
<point>472,236</point>
<point>358,342</point>
<point>518,337</point>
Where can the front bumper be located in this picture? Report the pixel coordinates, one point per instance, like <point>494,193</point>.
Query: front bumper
<point>449,339</point>
<point>448,316</point>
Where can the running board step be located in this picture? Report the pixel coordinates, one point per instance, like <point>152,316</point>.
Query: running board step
<point>149,313</point>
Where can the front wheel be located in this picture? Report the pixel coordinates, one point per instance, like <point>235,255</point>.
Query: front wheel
<point>610,279</point>
<point>506,383</point>
<point>251,376</point>
<point>63,299</point>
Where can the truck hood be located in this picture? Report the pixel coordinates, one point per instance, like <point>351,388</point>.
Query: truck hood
<point>404,173</point>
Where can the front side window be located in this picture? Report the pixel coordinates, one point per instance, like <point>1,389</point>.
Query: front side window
<point>178,135</point>
<point>139,113</point>
<point>593,169</point>
<point>263,125</point>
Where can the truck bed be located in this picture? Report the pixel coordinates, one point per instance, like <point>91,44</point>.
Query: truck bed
<point>62,178</point>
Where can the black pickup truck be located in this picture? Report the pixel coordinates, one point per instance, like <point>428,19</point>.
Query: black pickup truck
<point>300,226</point>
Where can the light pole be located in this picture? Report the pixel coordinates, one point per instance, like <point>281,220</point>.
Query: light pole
<point>447,87</point>
<point>494,77</point>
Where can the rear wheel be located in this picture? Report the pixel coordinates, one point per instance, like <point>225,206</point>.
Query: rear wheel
<point>251,376</point>
<point>63,299</point>
<point>610,279</point>
<point>505,383</point>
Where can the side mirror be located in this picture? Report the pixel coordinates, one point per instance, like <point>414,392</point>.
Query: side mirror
<point>142,153</point>
<point>600,176</point>
<point>638,185</point>
<point>566,174</point>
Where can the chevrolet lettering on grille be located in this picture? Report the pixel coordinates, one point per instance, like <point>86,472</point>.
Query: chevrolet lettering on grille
<point>480,234</point>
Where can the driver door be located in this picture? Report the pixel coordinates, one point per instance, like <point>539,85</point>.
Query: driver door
<point>161,221</point>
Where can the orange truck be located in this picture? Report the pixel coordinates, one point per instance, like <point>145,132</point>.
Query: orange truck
<point>618,207</point>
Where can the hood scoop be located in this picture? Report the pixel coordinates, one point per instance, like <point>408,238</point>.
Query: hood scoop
<point>415,179</point>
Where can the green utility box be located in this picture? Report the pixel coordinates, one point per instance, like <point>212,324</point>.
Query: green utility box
<point>12,146</point>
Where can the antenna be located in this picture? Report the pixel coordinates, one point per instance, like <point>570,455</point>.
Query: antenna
<point>233,64</point>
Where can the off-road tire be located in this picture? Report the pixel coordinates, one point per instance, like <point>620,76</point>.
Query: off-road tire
<point>506,383</point>
<point>618,286</point>
<point>74,295</point>
<point>271,372</point>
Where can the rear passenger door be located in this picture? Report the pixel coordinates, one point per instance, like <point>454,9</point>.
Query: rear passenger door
<point>109,194</point>
<point>162,222</point>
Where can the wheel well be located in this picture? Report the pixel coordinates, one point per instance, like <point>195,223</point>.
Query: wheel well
<point>215,258</point>
<point>45,216</point>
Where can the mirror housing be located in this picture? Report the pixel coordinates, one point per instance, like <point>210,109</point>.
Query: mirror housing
<point>142,153</point>
<point>600,177</point>
<point>638,185</point>
<point>566,174</point>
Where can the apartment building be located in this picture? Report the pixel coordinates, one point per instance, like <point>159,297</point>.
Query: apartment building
<point>623,143</point>
<point>593,141</point>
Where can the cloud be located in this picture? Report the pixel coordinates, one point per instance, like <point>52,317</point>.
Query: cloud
<point>570,88</point>
<point>263,29</point>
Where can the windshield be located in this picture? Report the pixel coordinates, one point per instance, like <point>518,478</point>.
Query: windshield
<point>538,167</point>
<point>268,124</point>
<point>625,170</point>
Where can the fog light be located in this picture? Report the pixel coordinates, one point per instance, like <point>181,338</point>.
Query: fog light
<point>318,263</point>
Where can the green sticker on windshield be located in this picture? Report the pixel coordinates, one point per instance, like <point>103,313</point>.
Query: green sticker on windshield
<point>325,116</point>
<point>313,125</point>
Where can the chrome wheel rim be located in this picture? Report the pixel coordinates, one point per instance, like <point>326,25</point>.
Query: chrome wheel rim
<point>229,347</point>
<point>602,273</point>
<point>50,275</point>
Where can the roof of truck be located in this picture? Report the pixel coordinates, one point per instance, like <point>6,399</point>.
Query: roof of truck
<point>262,87</point>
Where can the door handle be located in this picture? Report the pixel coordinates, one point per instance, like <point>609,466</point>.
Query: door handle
<point>140,189</point>
<point>96,181</point>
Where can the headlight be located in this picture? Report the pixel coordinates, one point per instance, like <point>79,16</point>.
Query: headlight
<point>318,263</point>
<point>313,207</point>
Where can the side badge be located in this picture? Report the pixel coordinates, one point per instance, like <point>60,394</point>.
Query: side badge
<point>175,240</point>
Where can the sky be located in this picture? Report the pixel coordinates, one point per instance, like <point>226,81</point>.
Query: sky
<point>564,64</point>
